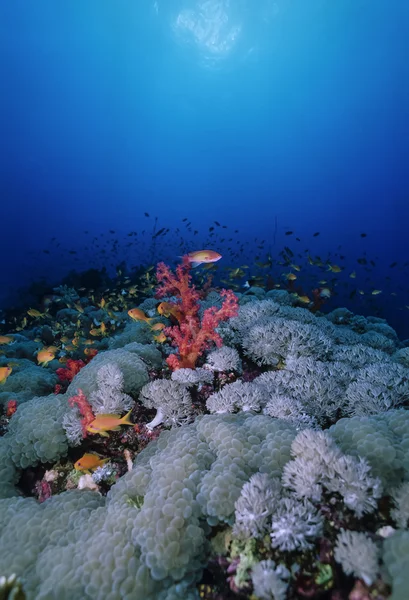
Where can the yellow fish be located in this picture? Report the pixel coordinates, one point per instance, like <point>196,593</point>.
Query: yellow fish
<point>290,276</point>
<point>304,299</point>
<point>4,373</point>
<point>89,462</point>
<point>161,338</point>
<point>35,313</point>
<point>376,292</point>
<point>45,356</point>
<point>103,423</point>
<point>102,330</point>
<point>353,275</point>
<point>334,268</point>
<point>5,339</point>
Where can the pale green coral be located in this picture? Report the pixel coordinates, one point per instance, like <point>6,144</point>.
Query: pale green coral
<point>396,560</point>
<point>147,539</point>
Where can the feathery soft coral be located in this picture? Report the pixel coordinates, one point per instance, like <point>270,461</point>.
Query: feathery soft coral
<point>85,409</point>
<point>191,336</point>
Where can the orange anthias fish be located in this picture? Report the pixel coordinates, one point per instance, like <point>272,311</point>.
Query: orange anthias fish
<point>167,309</point>
<point>89,462</point>
<point>4,373</point>
<point>161,338</point>
<point>5,339</point>
<point>45,356</point>
<point>103,423</point>
<point>203,256</point>
<point>90,352</point>
<point>158,327</point>
<point>138,315</point>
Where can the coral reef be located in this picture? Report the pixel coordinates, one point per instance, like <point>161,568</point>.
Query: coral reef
<point>295,486</point>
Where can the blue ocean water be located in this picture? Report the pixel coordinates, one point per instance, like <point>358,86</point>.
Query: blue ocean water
<point>265,117</point>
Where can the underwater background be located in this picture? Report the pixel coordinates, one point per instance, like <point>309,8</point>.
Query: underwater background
<point>264,116</point>
<point>204,300</point>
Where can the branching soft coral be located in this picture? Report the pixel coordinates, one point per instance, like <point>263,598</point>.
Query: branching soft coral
<point>191,336</point>
<point>68,372</point>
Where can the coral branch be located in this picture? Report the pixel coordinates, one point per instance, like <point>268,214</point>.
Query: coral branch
<point>191,336</point>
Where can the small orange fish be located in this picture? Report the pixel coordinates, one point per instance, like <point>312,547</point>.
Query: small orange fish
<point>89,462</point>
<point>161,338</point>
<point>52,348</point>
<point>290,276</point>
<point>103,423</point>
<point>5,339</point>
<point>304,299</point>
<point>70,347</point>
<point>90,352</point>
<point>202,257</point>
<point>138,315</point>
<point>45,356</point>
<point>166,309</point>
<point>158,327</point>
<point>4,373</point>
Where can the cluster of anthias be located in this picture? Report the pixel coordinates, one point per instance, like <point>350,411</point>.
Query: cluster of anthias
<point>191,335</point>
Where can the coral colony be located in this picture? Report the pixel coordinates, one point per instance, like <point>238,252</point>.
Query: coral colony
<point>203,444</point>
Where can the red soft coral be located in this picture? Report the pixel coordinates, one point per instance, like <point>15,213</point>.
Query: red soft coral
<point>180,285</point>
<point>85,409</point>
<point>11,408</point>
<point>191,336</point>
<point>68,372</point>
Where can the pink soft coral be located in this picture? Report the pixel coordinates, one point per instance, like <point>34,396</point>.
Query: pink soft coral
<point>191,336</point>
